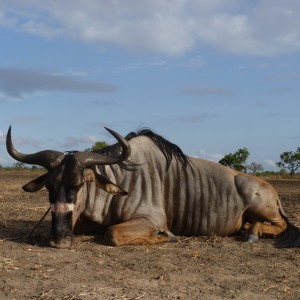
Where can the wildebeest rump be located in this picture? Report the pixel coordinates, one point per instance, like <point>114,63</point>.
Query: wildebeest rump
<point>145,190</point>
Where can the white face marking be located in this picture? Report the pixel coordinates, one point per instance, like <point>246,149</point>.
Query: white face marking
<point>60,208</point>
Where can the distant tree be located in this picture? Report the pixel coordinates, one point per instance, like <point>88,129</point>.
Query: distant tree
<point>282,172</point>
<point>97,146</point>
<point>236,160</point>
<point>290,160</point>
<point>255,168</point>
<point>269,173</point>
<point>19,165</point>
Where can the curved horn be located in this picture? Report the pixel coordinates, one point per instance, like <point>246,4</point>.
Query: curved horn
<point>89,159</point>
<point>48,159</point>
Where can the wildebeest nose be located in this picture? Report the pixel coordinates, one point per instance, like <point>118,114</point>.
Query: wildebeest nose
<point>65,243</point>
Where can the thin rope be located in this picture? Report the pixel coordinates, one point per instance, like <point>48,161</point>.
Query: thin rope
<point>38,224</point>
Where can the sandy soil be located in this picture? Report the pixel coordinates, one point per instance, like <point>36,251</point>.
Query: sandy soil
<point>192,268</point>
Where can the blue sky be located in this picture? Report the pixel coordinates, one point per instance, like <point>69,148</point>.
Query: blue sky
<point>211,76</point>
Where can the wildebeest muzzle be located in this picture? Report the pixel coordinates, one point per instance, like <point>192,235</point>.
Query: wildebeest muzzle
<point>62,231</point>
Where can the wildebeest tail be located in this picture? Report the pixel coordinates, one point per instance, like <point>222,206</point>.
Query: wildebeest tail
<point>290,239</point>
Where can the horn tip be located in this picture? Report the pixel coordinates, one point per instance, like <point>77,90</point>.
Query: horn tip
<point>110,130</point>
<point>8,136</point>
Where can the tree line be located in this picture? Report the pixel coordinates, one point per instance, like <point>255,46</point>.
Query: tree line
<point>289,160</point>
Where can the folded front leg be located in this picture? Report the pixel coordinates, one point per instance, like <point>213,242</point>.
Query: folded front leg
<point>137,231</point>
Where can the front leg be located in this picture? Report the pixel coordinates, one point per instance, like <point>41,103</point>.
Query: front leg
<point>137,231</point>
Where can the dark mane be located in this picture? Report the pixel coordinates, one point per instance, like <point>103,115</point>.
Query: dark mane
<point>168,149</point>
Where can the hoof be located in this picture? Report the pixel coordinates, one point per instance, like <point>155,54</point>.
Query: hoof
<point>171,236</point>
<point>252,238</point>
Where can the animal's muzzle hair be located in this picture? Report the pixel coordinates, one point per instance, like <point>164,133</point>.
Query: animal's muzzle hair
<point>62,232</point>
<point>61,208</point>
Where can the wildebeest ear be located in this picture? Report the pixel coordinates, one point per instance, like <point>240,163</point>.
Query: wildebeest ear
<point>35,185</point>
<point>108,186</point>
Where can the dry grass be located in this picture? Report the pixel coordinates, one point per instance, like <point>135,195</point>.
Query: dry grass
<point>7,264</point>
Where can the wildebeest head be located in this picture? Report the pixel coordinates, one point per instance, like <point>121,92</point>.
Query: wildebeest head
<point>66,181</point>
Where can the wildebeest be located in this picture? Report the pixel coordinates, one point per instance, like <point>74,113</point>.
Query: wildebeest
<point>144,190</point>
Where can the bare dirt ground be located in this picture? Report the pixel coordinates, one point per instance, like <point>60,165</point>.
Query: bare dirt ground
<point>192,268</point>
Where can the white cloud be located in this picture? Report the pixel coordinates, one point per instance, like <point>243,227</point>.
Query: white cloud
<point>4,161</point>
<point>194,62</point>
<point>41,29</point>
<point>262,27</point>
<point>89,139</point>
<point>155,63</point>
<point>4,157</point>
<point>270,163</point>
<point>7,21</point>
<point>74,143</point>
<point>209,156</point>
<point>2,137</point>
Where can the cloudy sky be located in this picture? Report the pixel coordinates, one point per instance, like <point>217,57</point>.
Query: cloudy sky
<point>212,76</point>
